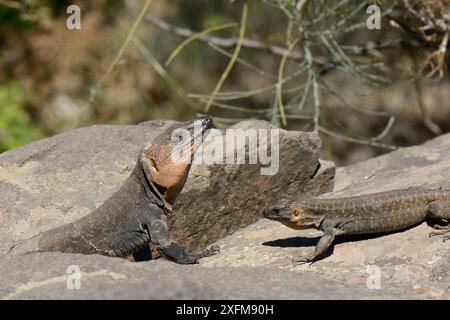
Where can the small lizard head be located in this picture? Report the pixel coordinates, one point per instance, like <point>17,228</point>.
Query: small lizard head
<point>167,159</point>
<point>292,215</point>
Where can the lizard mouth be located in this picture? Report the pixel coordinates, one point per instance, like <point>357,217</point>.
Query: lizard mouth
<point>275,214</point>
<point>295,225</point>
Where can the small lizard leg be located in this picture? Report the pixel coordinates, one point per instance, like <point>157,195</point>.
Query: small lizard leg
<point>442,231</point>
<point>171,249</point>
<point>440,210</point>
<point>324,243</point>
<point>439,227</point>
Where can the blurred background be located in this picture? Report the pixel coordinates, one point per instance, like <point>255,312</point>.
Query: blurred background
<point>367,81</point>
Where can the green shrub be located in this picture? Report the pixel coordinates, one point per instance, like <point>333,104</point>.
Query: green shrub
<point>16,125</point>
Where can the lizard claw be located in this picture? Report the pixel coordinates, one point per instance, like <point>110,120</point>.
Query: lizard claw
<point>189,259</point>
<point>193,258</point>
<point>207,252</point>
<point>299,260</point>
<point>441,230</point>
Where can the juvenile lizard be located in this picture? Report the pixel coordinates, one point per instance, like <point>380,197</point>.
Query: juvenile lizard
<point>365,214</point>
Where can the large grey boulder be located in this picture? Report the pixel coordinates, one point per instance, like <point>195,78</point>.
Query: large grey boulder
<point>49,276</point>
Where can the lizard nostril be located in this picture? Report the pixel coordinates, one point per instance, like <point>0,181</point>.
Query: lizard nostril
<point>207,121</point>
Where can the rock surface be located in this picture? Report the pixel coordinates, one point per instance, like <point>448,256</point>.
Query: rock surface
<point>255,262</point>
<point>58,180</point>
<point>45,276</point>
<point>409,263</point>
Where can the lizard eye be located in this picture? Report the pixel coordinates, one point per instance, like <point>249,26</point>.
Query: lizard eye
<point>296,213</point>
<point>177,135</point>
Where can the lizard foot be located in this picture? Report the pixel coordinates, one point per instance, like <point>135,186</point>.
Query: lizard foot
<point>305,256</point>
<point>207,252</point>
<point>188,259</point>
<point>441,230</point>
<point>302,259</point>
<point>193,258</point>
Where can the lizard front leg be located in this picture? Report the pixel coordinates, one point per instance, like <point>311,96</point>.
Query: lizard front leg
<point>170,249</point>
<point>324,243</point>
<point>440,210</point>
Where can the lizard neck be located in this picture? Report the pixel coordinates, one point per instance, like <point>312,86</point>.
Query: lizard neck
<point>150,192</point>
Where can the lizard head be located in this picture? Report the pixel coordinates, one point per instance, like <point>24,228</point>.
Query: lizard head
<point>167,159</point>
<point>291,215</point>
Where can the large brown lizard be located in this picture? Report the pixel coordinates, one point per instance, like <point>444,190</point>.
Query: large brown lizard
<point>365,214</point>
<point>135,215</point>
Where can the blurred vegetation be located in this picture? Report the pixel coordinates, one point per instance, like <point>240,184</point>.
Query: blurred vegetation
<point>301,64</point>
<point>16,125</point>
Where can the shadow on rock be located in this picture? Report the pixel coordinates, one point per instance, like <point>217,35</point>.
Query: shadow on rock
<point>295,242</point>
<point>292,242</point>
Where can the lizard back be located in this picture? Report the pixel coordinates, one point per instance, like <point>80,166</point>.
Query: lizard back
<point>372,213</point>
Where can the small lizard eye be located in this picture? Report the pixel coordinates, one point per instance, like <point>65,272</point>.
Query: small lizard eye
<point>296,212</point>
<point>177,136</point>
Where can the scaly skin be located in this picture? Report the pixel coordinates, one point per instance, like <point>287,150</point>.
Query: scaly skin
<point>135,215</point>
<point>366,214</point>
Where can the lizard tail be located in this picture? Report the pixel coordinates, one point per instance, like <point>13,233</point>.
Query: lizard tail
<point>23,247</point>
